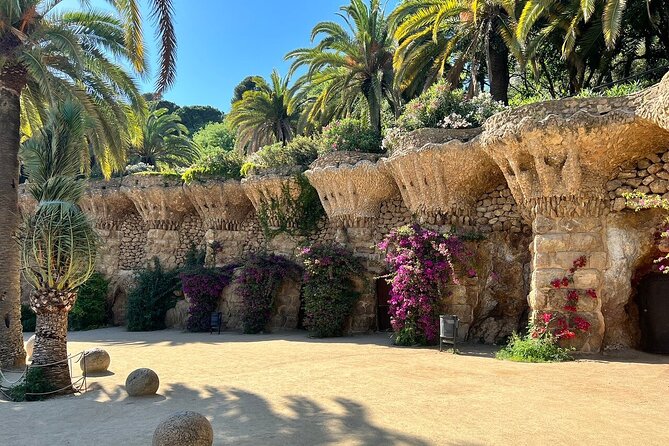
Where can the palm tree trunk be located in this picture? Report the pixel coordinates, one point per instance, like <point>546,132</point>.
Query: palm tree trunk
<point>52,308</point>
<point>12,353</point>
<point>498,67</point>
<point>374,103</point>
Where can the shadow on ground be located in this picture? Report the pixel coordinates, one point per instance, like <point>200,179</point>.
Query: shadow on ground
<point>241,417</point>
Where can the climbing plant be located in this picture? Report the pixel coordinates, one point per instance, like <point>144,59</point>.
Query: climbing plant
<point>328,291</point>
<point>292,213</point>
<point>260,277</point>
<point>422,263</point>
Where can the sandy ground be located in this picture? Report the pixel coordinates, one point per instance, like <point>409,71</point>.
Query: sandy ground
<point>285,389</point>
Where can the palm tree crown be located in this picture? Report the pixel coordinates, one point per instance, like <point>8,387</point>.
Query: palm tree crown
<point>161,140</point>
<point>351,61</point>
<point>266,114</point>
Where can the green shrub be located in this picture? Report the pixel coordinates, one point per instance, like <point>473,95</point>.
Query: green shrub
<point>439,107</point>
<point>350,135</point>
<point>290,214</point>
<point>531,349</point>
<point>300,151</point>
<point>28,318</point>
<point>90,310</point>
<point>215,137</point>
<point>33,382</point>
<point>329,293</point>
<point>223,165</point>
<point>152,296</point>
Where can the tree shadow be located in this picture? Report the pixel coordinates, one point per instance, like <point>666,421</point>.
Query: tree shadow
<point>241,417</point>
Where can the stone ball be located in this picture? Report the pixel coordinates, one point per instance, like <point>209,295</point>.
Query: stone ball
<point>30,346</point>
<point>142,382</point>
<point>184,428</point>
<point>96,360</point>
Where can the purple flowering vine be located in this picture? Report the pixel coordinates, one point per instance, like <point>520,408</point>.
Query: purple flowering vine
<point>203,287</point>
<point>423,262</point>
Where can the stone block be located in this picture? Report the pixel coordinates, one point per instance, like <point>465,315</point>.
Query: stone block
<point>542,278</point>
<point>551,243</point>
<point>587,278</point>
<point>586,242</point>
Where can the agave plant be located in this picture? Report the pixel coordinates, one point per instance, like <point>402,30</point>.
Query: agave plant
<point>58,242</point>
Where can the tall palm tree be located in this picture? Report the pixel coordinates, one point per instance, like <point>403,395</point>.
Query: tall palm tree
<point>161,140</point>
<point>351,61</point>
<point>265,115</point>
<point>440,37</point>
<point>45,58</point>
<point>58,241</point>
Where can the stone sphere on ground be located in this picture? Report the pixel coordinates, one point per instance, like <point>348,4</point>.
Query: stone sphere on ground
<point>142,382</point>
<point>96,360</point>
<point>184,428</point>
<point>30,346</point>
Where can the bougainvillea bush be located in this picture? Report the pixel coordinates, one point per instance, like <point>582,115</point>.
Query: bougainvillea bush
<point>423,262</point>
<point>203,288</point>
<point>639,201</point>
<point>328,291</point>
<point>260,278</point>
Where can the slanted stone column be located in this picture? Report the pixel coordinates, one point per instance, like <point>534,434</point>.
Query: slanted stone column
<point>351,187</point>
<point>223,206</point>
<point>556,158</point>
<point>162,204</point>
<point>108,208</point>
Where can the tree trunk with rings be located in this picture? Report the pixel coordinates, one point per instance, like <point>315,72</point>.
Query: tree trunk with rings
<point>52,308</point>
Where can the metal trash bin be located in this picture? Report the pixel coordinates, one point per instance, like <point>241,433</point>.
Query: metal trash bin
<point>448,330</point>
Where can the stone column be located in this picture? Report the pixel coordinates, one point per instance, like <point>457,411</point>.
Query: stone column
<point>558,242</point>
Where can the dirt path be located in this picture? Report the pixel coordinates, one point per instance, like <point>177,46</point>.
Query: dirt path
<point>286,389</point>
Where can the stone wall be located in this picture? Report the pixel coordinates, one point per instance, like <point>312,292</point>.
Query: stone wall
<point>548,176</point>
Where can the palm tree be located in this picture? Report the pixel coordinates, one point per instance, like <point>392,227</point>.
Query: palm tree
<point>571,15</point>
<point>265,115</point>
<point>45,58</point>
<point>440,37</point>
<point>161,140</point>
<point>162,11</point>
<point>58,242</point>
<point>351,62</point>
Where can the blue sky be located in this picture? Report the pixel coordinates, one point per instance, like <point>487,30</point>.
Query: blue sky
<point>223,41</point>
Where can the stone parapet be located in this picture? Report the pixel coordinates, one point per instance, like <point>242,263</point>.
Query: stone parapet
<point>106,204</point>
<point>160,201</point>
<point>268,193</point>
<point>352,194</point>
<point>440,183</point>
<point>222,205</point>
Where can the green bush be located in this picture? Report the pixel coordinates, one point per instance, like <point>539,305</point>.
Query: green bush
<point>28,318</point>
<point>531,349</point>
<point>152,296</point>
<point>215,137</point>
<point>439,107</point>
<point>223,165</point>
<point>90,310</point>
<point>329,292</point>
<point>301,151</point>
<point>350,135</point>
<point>33,382</point>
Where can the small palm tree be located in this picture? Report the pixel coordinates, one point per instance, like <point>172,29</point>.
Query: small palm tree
<point>161,140</point>
<point>440,37</point>
<point>351,63</point>
<point>267,114</point>
<point>59,243</point>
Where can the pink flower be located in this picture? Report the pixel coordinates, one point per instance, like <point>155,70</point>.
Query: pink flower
<point>546,317</point>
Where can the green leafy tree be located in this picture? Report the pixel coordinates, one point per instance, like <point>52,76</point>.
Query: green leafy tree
<point>250,83</point>
<point>267,115</point>
<point>48,57</point>
<point>161,140</point>
<point>197,116</point>
<point>58,242</point>
<point>215,137</point>
<point>350,62</point>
